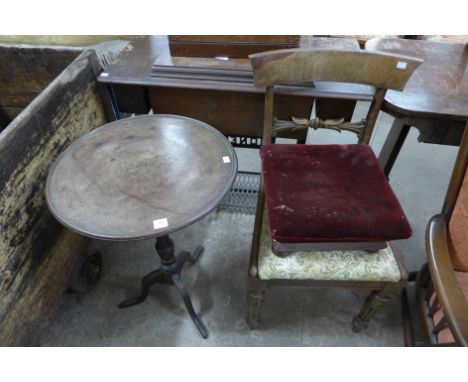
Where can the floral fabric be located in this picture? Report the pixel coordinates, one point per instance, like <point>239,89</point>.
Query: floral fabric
<point>326,265</point>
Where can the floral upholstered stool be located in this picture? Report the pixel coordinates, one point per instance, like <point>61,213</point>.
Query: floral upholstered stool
<point>382,271</point>
<point>357,265</point>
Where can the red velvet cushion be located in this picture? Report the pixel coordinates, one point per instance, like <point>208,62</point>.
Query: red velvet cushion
<point>329,193</point>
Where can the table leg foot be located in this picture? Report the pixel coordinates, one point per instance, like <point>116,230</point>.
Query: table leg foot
<point>150,279</point>
<point>188,304</point>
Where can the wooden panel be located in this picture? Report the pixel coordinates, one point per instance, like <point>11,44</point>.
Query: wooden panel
<point>329,108</point>
<point>46,282</point>
<point>26,70</point>
<point>36,253</point>
<point>232,113</point>
<point>298,65</point>
<point>439,131</point>
<point>236,39</point>
<point>228,45</point>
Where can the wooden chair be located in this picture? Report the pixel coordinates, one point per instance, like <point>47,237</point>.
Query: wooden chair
<point>442,283</point>
<point>286,171</point>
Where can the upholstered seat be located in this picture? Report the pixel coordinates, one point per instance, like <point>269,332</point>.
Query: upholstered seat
<point>329,193</point>
<point>325,265</point>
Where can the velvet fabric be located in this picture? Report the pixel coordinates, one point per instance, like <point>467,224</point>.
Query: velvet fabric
<point>329,193</point>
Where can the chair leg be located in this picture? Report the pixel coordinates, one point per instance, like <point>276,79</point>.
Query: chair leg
<point>407,319</point>
<point>374,302</point>
<point>254,305</point>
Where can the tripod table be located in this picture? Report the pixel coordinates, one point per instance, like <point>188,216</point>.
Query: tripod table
<point>141,178</point>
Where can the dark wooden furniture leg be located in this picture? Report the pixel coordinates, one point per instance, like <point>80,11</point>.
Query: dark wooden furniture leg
<point>169,273</point>
<point>255,298</point>
<point>392,146</point>
<point>374,302</point>
<point>407,320</point>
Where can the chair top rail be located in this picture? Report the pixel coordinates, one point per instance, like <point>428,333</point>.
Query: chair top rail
<point>288,66</point>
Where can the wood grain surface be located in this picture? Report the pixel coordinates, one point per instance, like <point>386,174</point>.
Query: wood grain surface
<point>36,253</point>
<point>120,180</point>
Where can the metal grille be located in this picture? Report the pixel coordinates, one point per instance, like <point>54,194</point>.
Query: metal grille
<point>244,192</point>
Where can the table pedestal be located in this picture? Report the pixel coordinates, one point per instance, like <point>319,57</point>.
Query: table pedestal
<point>169,273</point>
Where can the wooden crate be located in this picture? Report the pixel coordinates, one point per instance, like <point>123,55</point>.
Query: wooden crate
<point>37,254</point>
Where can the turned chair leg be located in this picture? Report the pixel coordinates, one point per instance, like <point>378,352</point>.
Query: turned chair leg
<point>254,305</point>
<point>374,302</point>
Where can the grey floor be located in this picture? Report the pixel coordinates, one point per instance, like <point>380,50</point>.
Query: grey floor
<point>217,283</point>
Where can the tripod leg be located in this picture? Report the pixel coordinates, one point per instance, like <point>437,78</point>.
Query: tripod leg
<point>148,280</point>
<point>196,254</point>
<point>186,256</point>
<point>188,304</point>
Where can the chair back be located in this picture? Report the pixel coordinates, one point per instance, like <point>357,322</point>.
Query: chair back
<point>291,66</point>
<point>442,283</point>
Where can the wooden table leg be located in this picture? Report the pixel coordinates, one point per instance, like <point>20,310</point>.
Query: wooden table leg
<point>169,273</point>
<point>391,148</point>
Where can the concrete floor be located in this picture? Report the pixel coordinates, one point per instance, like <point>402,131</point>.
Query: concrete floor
<point>217,283</point>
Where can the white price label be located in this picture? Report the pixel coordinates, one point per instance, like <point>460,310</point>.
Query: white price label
<point>160,223</point>
<point>401,65</point>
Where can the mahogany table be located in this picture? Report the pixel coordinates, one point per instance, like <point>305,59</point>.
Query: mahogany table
<point>140,178</point>
<point>221,91</point>
<point>435,99</point>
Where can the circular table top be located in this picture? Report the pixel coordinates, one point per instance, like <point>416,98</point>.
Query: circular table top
<point>141,177</point>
